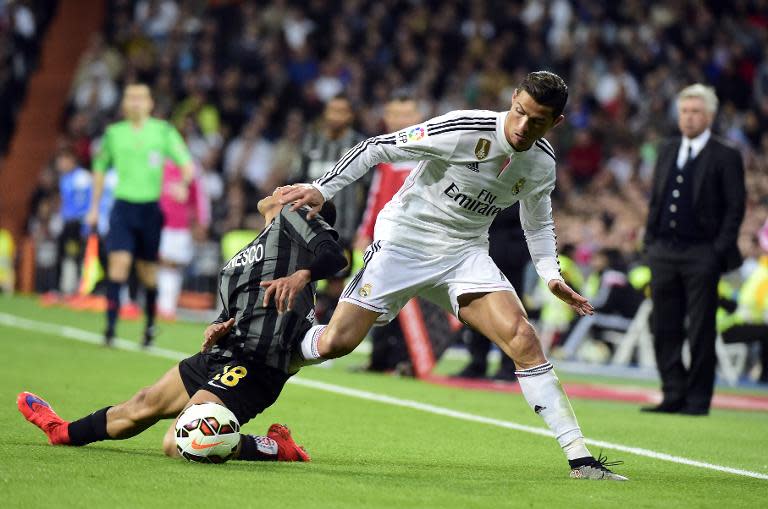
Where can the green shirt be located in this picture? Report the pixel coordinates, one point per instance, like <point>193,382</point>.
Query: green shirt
<point>138,156</point>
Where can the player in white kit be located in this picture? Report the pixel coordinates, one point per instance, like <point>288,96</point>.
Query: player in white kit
<point>431,240</point>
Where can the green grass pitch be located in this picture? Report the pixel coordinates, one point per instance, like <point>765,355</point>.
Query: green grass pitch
<point>365,453</point>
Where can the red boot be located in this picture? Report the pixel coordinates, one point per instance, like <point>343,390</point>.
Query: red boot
<point>37,411</point>
<point>287,449</point>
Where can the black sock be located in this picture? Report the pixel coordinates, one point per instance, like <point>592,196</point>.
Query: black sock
<point>150,299</point>
<point>580,462</point>
<point>254,448</point>
<point>113,305</point>
<point>91,428</point>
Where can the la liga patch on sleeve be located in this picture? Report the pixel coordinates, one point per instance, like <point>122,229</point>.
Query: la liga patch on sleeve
<point>411,134</point>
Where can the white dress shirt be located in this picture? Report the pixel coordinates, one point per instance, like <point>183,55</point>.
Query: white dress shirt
<point>697,145</point>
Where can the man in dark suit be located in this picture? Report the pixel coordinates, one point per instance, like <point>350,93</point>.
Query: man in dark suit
<point>696,209</point>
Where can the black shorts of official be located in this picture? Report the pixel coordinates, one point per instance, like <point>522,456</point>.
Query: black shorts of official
<point>247,388</point>
<point>135,227</point>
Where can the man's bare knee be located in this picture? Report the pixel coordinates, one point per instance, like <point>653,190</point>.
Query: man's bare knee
<point>119,266</point>
<point>147,273</point>
<point>347,328</point>
<point>523,343</point>
<point>169,446</point>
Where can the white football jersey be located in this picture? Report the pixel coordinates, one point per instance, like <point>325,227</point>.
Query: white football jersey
<point>468,173</point>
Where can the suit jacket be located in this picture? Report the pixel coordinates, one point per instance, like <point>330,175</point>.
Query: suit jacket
<point>718,196</point>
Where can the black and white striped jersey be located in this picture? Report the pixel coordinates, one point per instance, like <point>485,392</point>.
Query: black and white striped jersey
<point>260,333</point>
<point>468,173</point>
<point>318,154</point>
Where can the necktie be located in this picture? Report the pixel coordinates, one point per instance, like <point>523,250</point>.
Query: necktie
<point>689,158</point>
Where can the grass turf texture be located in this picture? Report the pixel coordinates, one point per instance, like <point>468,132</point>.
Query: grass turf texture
<point>365,453</point>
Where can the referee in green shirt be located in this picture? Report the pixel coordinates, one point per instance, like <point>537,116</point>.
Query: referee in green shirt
<point>137,148</point>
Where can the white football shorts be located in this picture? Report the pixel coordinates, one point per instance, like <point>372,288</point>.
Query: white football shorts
<point>393,274</point>
<point>176,246</point>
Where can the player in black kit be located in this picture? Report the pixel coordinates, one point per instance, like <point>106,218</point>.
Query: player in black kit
<point>268,297</point>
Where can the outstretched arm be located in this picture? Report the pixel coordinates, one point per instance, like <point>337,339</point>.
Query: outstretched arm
<point>539,228</point>
<point>430,140</point>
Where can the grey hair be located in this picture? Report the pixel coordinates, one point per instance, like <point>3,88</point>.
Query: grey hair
<point>703,92</point>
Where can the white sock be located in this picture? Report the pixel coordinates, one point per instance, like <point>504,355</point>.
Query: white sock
<point>169,281</point>
<point>309,352</point>
<point>545,395</point>
<point>576,449</point>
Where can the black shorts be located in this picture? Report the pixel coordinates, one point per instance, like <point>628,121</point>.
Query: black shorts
<point>135,227</point>
<point>245,387</point>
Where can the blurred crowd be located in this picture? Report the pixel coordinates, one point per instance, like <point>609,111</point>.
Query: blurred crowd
<point>249,83</point>
<point>244,83</point>
<point>22,25</point>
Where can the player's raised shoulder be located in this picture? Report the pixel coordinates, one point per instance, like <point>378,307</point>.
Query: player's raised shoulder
<point>451,122</point>
<point>545,147</point>
<point>464,116</point>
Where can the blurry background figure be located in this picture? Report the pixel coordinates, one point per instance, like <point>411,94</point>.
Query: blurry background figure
<point>102,226</point>
<point>748,320</point>
<point>137,149</point>
<point>44,227</point>
<point>7,259</point>
<point>695,212</point>
<point>321,147</point>
<point>249,156</point>
<point>75,197</point>
<point>554,318</point>
<point>389,348</point>
<point>510,253</point>
<point>616,302</point>
<point>176,240</point>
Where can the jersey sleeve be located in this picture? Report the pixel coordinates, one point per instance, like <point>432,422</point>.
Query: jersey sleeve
<point>429,140</point>
<point>539,228</point>
<point>303,230</point>
<point>104,156</point>
<point>175,147</point>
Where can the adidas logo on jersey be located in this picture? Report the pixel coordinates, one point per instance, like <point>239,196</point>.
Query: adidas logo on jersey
<point>474,167</point>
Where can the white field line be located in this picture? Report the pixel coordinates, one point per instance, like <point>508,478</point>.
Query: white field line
<point>93,338</point>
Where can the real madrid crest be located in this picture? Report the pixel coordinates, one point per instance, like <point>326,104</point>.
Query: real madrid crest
<point>482,148</point>
<point>518,186</point>
<point>365,290</point>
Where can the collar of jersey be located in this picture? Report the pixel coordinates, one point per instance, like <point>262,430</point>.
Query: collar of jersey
<point>500,136</point>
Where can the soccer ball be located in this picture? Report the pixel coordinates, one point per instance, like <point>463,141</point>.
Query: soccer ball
<point>207,433</point>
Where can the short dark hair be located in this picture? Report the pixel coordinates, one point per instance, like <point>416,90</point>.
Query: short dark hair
<point>328,212</point>
<point>547,89</point>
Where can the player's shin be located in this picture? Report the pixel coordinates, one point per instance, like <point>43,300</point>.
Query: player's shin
<point>113,308</point>
<point>545,395</point>
<point>169,283</point>
<point>91,428</point>
<point>150,306</point>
